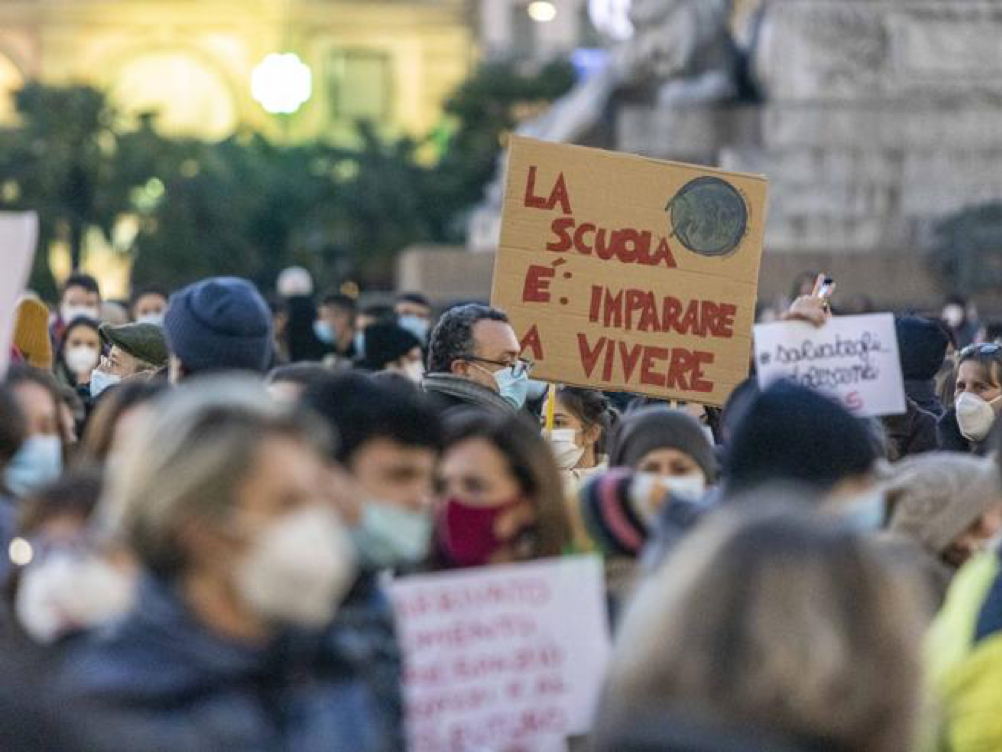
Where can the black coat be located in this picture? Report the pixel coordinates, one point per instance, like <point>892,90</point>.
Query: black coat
<point>914,432</point>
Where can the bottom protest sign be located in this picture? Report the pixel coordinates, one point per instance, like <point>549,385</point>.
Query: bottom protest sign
<point>507,657</point>
<point>851,358</point>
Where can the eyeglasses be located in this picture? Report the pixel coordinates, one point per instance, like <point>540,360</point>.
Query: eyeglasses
<point>519,368</point>
<point>982,348</point>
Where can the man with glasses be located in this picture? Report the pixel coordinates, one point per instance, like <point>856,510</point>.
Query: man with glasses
<point>474,361</point>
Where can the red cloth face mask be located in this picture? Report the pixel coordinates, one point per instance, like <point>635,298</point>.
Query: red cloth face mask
<point>466,533</point>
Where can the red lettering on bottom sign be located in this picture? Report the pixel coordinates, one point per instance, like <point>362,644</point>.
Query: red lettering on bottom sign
<point>678,368</point>
<point>853,402</point>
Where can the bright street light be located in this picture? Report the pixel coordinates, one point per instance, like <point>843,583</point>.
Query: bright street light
<point>542,11</point>
<point>281,83</point>
<point>612,17</point>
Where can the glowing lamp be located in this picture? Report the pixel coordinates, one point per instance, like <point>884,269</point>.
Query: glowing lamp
<point>281,83</point>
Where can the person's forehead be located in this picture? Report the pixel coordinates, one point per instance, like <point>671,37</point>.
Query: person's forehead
<point>151,298</point>
<point>387,450</point>
<point>667,454</point>
<point>495,336</point>
<point>412,306</point>
<point>475,453</point>
<point>78,292</point>
<point>972,369</point>
<point>82,332</point>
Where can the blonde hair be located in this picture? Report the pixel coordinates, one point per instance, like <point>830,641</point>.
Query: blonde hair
<point>193,451</point>
<point>777,623</point>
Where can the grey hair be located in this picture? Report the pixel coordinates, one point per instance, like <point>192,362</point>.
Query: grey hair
<point>190,456</point>
<point>452,338</point>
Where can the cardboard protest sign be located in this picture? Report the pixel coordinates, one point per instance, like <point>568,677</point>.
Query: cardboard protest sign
<point>502,657</point>
<point>853,358</point>
<point>18,237</point>
<point>631,274</point>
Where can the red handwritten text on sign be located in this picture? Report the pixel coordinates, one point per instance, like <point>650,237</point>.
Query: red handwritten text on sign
<point>502,656</point>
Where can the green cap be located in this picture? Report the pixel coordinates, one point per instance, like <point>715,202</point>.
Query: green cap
<point>143,341</point>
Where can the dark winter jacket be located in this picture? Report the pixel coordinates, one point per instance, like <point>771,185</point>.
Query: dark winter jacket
<point>923,393</point>
<point>951,440</point>
<point>196,690</point>
<point>913,432</point>
<point>451,393</point>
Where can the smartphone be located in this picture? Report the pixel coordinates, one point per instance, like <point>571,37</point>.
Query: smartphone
<point>826,289</point>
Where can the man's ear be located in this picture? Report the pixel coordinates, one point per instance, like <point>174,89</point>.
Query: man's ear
<point>460,367</point>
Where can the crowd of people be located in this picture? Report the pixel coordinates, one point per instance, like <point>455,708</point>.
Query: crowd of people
<point>204,494</point>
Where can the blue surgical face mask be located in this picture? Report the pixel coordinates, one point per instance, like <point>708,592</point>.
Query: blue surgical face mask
<point>390,536</point>
<point>864,512</point>
<point>99,381</point>
<point>359,342</point>
<point>37,462</point>
<point>417,326</point>
<point>513,389</point>
<point>536,389</point>
<point>157,319</point>
<point>323,332</point>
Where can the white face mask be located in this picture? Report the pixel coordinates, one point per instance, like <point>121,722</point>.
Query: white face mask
<point>975,416</point>
<point>414,370</point>
<point>863,512</point>
<point>67,591</point>
<point>389,535</point>
<point>151,318</point>
<point>649,491</point>
<point>38,461</point>
<point>298,569</point>
<point>417,326</point>
<point>566,451</point>
<point>691,486</point>
<point>953,315</point>
<point>81,359</point>
<point>99,381</point>
<point>71,312</point>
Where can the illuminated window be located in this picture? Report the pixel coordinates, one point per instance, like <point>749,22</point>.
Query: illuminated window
<point>361,85</point>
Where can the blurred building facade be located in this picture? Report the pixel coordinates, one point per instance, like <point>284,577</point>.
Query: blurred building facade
<point>388,61</point>
<point>543,29</point>
<point>873,119</point>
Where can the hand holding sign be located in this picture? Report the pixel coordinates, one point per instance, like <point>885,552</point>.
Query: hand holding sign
<point>814,308</point>
<point>852,358</point>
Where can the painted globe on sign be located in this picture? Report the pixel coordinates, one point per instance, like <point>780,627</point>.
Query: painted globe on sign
<point>708,216</point>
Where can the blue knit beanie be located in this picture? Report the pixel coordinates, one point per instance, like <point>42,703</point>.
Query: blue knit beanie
<point>217,324</point>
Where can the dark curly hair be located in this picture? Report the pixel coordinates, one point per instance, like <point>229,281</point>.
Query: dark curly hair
<point>452,338</point>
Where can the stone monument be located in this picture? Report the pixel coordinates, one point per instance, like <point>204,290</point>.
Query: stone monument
<point>877,118</point>
<point>881,116</point>
<point>681,59</point>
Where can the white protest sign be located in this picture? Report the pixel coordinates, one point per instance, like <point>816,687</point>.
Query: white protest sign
<point>503,657</point>
<point>852,358</point>
<point>18,236</point>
